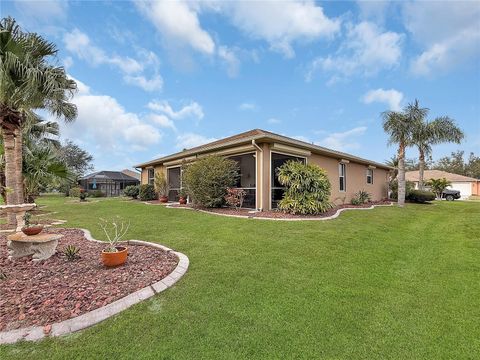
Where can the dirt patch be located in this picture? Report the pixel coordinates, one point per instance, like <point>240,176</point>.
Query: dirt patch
<point>56,289</point>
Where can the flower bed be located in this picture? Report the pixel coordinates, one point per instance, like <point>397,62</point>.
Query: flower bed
<point>56,289</point>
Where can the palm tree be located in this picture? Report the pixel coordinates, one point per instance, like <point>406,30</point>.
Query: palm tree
<point>438,186</point>
<point>426,134</point>
<point>399,126</point>
<point>28,82</point>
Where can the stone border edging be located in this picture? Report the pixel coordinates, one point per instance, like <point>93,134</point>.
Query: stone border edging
<point>34,333</point>
<point>331,217</point>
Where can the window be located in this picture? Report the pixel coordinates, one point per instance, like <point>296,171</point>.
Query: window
<point>342,176</point>
<point>247,179</point>
<point>174,176</point>
<point>369,176</point>
<point>277,189</point>
<point>151,176</point>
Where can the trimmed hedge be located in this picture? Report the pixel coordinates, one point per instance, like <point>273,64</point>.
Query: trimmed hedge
<point>131,191</point>
<point>420,196</point>
<point>96,193</point>
<point>147,192</point>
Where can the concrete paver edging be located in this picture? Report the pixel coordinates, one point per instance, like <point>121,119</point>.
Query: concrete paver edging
<point>34,333</point>
<point>334,216</point>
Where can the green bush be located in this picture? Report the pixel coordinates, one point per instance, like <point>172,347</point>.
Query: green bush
<point>147,192</point>
<point>206,180</point>
<point>361,197</point>
<point>307,188</point>
<point>131,191</point>
<point>96,193</point>
<point>393,185</point>
<point>74,192</point>
<point>421,196</point>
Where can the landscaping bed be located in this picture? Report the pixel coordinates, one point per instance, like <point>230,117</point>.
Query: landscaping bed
<point>276,214</point>
<point>54,290</point>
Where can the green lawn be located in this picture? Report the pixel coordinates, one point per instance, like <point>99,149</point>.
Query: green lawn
<point>387,283</point>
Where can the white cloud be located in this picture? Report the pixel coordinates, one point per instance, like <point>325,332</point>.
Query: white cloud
<point>102,122</point>
<point>193,109</point>
<point>230,60</point>
<point>448,31</point>
<point>365,51</point>
<point>343,141</point>
<point>43,10</point>
<point>155,83</point>
<point>391,97</point>
<point>274,121</point>
<point>281,23</point>
<point>162,120</point>
<point>79,44</point>
<point>189,140</point>
<point>247,106</point>
<point>178,22</point>
<point>67,62</point>
<point>373,10</point>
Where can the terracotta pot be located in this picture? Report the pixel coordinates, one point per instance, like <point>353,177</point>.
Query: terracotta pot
<point>182,200</point>
<point>115,258</point>
<point>163,199</point>
<point>32,230</point>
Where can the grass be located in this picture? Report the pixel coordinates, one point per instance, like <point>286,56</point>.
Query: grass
<point>387,283</point>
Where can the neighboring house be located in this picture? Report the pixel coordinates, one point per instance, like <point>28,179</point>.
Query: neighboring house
<point>134,174</point>
<point>259,153</point>
<point>110,183</point>
<point>466,185</point>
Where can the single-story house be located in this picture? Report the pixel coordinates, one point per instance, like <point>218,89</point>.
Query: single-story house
<point>260,153</point>
<point>110,183</point>
<point>466,185</point>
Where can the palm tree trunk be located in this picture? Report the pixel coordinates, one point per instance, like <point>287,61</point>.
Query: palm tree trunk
<point>421,168</point>
<point>19,166</point>
<point>401,175</point>
<point>9,147</point>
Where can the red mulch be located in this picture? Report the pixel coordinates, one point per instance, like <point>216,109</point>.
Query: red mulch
<point>275,214</point>
<point>56,289</point>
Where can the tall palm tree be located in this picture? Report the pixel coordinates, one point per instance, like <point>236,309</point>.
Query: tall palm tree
<point>428,133</point>
<point>399,126</point>
<point>28,82</point>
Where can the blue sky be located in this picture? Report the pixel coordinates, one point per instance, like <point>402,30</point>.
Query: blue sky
<point>157,77</point>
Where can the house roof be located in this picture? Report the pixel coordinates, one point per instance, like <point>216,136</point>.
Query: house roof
<point>134,174</point>
<point>438,174</point>
<point>259,135</point>
<point>109,175</point>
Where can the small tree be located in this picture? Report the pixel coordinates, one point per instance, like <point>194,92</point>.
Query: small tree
<point>206,180</point>
<point>161,184</point>
<point>235,197</point>
<point>438,186</point>
<point>307,188</point>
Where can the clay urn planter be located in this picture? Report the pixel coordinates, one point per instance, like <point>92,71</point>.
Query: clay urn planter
<point>32,229</point>
<point>163,199</point>
<point>182,200</point>
<point>116,258</point>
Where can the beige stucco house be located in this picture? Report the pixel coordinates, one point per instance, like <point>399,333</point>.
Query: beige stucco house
<point>259,153</point>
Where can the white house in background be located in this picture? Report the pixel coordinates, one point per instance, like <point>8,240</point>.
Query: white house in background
<point>466,185</point>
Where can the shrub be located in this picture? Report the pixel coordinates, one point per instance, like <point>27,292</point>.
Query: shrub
<point>420,196</point>
<point>307,188</point>
<point>83,195</point>
<point>207,180</point>
<point>146,192</point>
<point>409,186</point>
<point>361,197</point>
<point>161,184</point>
<point>131,191</point>
<point>74,192</point>
<point>235,197</point>
<point>71,252</point>
<point>96,193</point>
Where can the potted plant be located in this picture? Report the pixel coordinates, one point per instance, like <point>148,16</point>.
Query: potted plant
<point>114,254</point>
<point>31,228</point>
<point>182,196</point>
<point>161,186</point>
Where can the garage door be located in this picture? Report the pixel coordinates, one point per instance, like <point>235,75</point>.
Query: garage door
<point>465,188</point>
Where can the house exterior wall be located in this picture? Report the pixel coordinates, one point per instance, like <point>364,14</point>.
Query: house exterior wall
<point>356,177</point>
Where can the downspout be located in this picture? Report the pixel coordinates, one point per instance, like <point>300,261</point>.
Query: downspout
<point>259,186</point>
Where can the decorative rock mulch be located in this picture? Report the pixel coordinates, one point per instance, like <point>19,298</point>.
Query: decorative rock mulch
<point>54,290</point>
<point>279,215</point>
